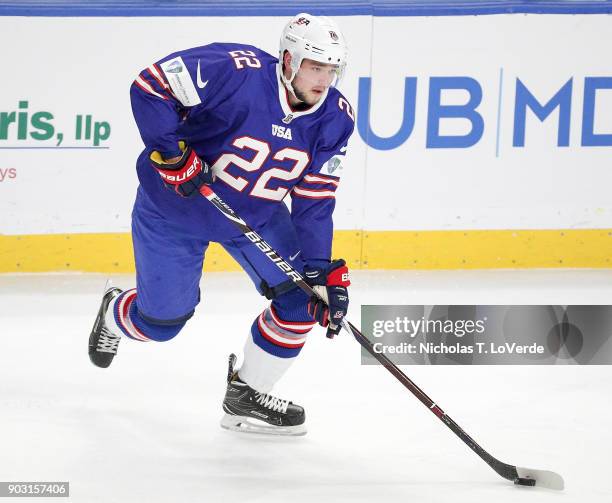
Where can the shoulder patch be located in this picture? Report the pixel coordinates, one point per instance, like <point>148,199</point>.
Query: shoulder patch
<point>333,167</point>
<point>181,82</point>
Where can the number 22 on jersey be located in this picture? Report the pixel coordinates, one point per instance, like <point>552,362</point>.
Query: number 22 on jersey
<point>262,152</point>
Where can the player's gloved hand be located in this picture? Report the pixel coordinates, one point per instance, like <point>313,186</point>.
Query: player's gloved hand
<point>330,282</point>
<point>186,175</point>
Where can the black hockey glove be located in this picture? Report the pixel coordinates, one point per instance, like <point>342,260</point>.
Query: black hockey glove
<point>331,283</point>
<point>186,175</point>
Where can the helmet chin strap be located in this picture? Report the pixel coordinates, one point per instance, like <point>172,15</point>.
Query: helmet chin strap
<point>288,85</point>
<point>286,81</point>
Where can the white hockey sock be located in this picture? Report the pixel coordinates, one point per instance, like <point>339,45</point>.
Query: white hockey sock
<point>261,370</point>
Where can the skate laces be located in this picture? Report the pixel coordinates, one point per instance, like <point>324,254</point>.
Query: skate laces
<point>272,402</point>
<point>108,342</point>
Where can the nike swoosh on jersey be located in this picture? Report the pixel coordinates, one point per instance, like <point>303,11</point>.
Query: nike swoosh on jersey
<point>293,257</point>
<point>201,84</point>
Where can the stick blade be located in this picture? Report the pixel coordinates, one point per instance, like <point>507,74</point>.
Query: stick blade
<point>543,478</point>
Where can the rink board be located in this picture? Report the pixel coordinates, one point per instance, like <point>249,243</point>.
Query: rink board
<point>484,144</point>
<point>588,248</point>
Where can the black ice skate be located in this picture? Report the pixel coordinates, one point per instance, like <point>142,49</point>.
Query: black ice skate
<point>102,342</point>
<point>249,411</point>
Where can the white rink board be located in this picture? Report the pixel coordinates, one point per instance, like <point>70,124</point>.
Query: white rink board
<point>70,66</point>
<point>486,186</point>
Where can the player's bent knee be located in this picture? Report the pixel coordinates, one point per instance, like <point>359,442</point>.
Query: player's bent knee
<point>160,330</point>
<point>293,300</point>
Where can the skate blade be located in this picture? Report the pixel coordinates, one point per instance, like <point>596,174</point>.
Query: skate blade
<point>245,424</point>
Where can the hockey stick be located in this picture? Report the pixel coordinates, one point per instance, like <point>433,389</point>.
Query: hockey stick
<point>519,475</point>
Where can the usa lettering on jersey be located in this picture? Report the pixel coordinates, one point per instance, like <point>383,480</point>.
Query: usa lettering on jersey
<point>281,132</point>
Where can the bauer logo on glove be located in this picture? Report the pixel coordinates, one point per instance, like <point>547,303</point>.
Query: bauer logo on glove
<point>182,176</point>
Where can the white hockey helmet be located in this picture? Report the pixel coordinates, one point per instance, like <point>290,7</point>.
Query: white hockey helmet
<point>312,37</point>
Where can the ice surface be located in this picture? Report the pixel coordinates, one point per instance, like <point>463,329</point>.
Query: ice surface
<point>146,429</point>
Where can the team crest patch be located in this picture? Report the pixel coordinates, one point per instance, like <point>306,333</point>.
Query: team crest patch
<point>332,167</point>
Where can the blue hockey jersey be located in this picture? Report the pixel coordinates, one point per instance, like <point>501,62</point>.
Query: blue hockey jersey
<point>227,102</point>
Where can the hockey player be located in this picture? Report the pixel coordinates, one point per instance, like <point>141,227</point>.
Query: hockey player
<point>256,129</point>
